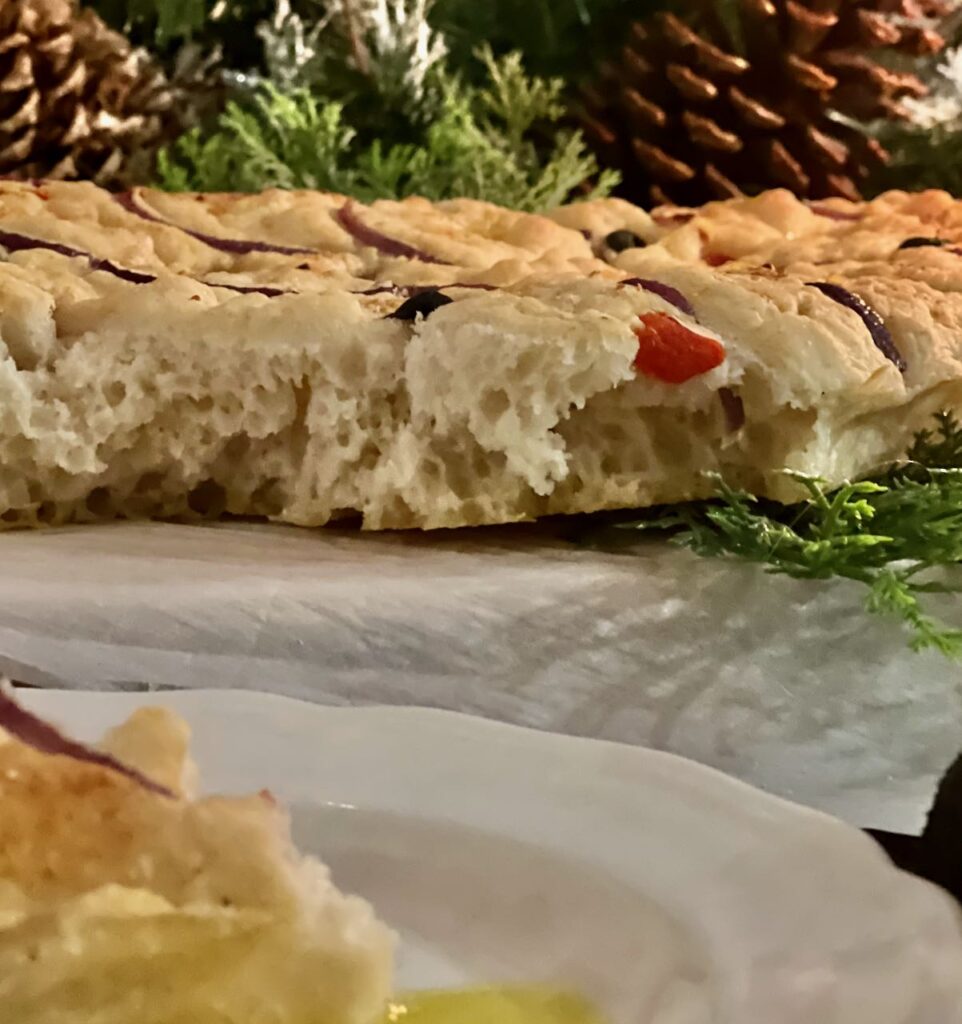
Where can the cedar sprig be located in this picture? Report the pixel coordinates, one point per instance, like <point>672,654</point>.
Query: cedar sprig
<point>483,144</point>
<point>899,535</point>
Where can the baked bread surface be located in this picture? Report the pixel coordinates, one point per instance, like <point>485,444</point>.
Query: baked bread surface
<point>302,357</point>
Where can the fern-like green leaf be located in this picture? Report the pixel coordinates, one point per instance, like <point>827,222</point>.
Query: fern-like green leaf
<point>900,535</point>
<point>284,140</point>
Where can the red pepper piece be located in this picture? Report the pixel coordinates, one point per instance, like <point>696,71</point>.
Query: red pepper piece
<point>717,259</point>
<point>669,351</point>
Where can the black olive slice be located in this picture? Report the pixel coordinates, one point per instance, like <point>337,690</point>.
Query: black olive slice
<point>618,241</point>
<point>424,303</point>
<point>918,242</point>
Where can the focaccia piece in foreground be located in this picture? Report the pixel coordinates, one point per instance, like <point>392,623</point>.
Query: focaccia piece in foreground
<point>123,899</point>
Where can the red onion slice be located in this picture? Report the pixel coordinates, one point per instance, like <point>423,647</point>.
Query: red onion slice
<point>12,241</point>
<point>132,202</point>
<point>360,232</point>
<point>415,289</point>
<point>36,733</point>
<point>251,289</point>
<point>663,291</point>
<point>734,409</point>
<point>876,326</point>
<point>665,216</point>
<point>832,214</point>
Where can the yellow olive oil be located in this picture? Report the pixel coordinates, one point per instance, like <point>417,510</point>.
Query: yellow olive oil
<point>492,1006</point>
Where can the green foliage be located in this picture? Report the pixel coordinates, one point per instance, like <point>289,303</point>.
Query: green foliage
<point>926,147</point>
<point>922,158</point>
<point>936,448</point>
<point>557,37</point>
<point>482,144</point>
<point>283,140</point>
<point>553,34</point>
<point>162,19</point>
<point>896,534</point>
<point>367,97</point>
<point>382,55</point>
<point>162,25</point>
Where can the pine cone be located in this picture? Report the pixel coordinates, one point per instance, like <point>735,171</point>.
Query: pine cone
<point>76,99</point>
<point>688,115</point>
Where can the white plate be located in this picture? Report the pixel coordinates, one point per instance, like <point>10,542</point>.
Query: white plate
<point>664,891</point>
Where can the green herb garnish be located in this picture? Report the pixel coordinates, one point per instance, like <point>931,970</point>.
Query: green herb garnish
<point>896,534</point>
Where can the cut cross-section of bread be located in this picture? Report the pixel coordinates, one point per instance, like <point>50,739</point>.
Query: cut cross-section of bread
<point>123,899</point>
<point>302,357</point>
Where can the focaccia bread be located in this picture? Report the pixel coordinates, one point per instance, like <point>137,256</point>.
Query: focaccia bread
<point>123,898</point>
<point>302,357</point>
<point>776,227</point>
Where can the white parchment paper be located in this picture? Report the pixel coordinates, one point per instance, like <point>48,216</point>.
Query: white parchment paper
<point>786,684</point>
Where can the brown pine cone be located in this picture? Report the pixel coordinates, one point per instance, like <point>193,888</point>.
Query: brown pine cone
<point>76,100</point>
<point>695,108</point>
